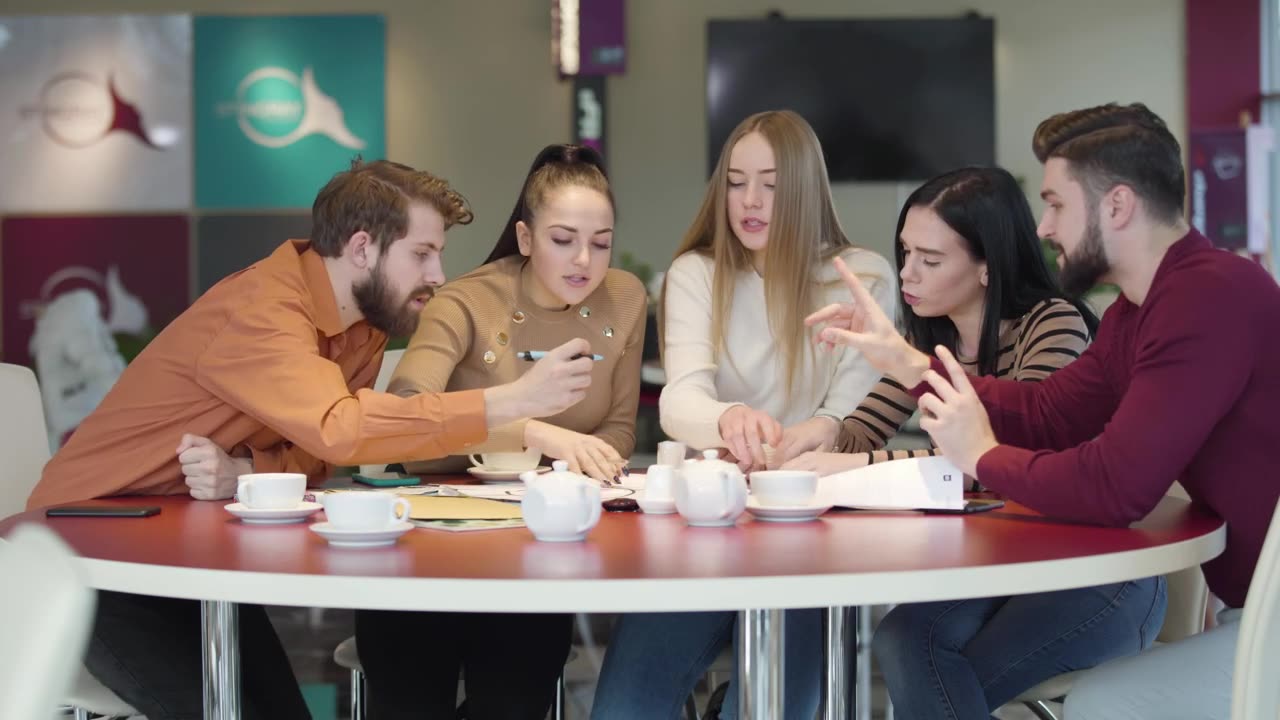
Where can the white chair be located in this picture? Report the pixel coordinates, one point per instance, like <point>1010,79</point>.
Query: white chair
<point>45,614</point>
<point>24,446</point>
<point>1254,692</point>
<point>390,359</point>
<point>1184,617</point>
<point>1188,598</point>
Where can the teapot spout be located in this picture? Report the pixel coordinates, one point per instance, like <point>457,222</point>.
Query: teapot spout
<point>528,476</point>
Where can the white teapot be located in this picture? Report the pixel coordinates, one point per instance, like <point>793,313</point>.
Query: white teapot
<point>710,492</point>
<point>560,506</point>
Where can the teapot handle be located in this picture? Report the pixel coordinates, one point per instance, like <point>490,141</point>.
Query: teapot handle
<point>726,486</point>
<point>593,505</point>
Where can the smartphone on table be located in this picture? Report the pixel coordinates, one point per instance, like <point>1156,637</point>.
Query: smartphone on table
<point>971,506</point>
<point>386,479</point>
<point>102,511</point>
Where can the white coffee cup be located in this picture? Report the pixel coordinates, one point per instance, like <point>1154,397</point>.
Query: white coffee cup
<point>658,482</point>
<point>784,487</point>
<point>270,491</point>
<point>508,461</point>
<point>364,510</point>
<point>671,453</point>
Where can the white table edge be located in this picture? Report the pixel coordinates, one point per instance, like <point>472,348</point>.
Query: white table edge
<point>647,594</point>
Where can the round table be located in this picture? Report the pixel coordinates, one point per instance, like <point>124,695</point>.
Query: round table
<point>630,562</point>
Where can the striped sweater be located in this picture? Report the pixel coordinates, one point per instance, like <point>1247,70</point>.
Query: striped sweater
<point>1049,336</point>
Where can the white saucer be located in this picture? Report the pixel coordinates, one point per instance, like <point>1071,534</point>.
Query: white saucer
<point>342,538</point>
<point>487,475</point>
<point>785,513</point>
<point>273,516</point>
<point>656,506</point>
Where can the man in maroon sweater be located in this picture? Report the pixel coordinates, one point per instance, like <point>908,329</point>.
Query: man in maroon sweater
<point>1181,383</point>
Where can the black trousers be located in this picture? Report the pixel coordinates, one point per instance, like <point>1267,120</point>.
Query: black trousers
<point>147,650</point>
<point>510,663</point>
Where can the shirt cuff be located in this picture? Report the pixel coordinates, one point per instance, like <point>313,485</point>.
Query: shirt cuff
<point>468,424</point>
<point>998,467</point>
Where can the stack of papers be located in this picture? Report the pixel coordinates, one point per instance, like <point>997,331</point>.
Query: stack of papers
<point>912,484</point>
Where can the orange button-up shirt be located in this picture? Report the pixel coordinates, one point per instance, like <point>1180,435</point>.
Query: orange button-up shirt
<point>262,362</point>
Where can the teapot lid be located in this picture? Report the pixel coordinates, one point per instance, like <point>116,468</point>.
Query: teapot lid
<point>560,471</point>
<point>711,461</point>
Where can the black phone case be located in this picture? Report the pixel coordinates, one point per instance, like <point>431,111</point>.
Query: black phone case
<point>970,507</point>
<point>124,512</point>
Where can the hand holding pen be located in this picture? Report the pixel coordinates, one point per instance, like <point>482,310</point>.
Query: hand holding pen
<point>554,384</point>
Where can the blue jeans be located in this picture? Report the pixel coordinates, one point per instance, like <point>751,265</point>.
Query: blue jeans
<point>654,661</point>
<point>963,659</point>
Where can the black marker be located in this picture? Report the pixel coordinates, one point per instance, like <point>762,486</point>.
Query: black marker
<point>534,355</point>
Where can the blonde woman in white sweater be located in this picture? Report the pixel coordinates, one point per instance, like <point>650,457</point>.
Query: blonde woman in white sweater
<point>740,370</point>
<point>743,376</point>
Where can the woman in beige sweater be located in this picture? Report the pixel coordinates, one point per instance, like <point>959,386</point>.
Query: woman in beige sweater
<point>547,281</point>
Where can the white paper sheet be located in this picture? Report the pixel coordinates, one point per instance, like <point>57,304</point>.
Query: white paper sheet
<point>911,484</point>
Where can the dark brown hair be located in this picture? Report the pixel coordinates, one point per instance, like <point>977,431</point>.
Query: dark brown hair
<point>556,166</point>
<point>375,197</point>
<point>1111,145</point>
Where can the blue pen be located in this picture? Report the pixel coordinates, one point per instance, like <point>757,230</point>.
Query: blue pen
<point>532,355</point>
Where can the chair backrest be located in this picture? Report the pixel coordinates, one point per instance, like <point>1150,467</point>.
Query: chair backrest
<point>45,616</point>
<point>390,359</point>
<point>1255,693</point>
<point>24,442</point>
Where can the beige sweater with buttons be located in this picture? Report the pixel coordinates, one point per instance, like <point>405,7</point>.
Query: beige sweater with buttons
<point>469,333</point>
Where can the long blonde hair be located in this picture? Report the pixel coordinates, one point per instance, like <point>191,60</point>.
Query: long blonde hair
<point>803,232</point>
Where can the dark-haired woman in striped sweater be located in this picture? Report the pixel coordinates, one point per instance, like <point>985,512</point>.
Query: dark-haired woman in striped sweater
<point>974,280</point>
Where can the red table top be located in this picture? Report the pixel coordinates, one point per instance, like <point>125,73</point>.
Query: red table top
<point>871,546</point>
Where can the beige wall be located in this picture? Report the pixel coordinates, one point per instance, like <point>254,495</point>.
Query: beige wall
<point>471,94</point>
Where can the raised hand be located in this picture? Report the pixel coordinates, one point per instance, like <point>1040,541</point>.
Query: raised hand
<point>954,416</point>
<point>862,325</point>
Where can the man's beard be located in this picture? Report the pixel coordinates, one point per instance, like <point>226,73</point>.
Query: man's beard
<point>377,302</point>
<point>1082,269</point>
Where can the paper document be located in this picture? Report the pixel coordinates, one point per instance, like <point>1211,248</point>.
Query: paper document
<point>468,525</point>
<point>911,484</point>
<point>427,507</point>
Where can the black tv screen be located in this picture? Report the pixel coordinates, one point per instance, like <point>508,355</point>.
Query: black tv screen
<point>889,99</point>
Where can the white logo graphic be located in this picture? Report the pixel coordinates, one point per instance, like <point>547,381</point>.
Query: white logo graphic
<point>590,115</point>
<point>314,112</point>
<point>75,354</point>
<point>77,109</point>
<point>1227,165</point>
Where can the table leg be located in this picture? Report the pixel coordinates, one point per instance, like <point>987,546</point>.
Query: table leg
<point>837,648</point>
<point>221,634</point>
<point>862,666</point>
<point>761,639</point>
